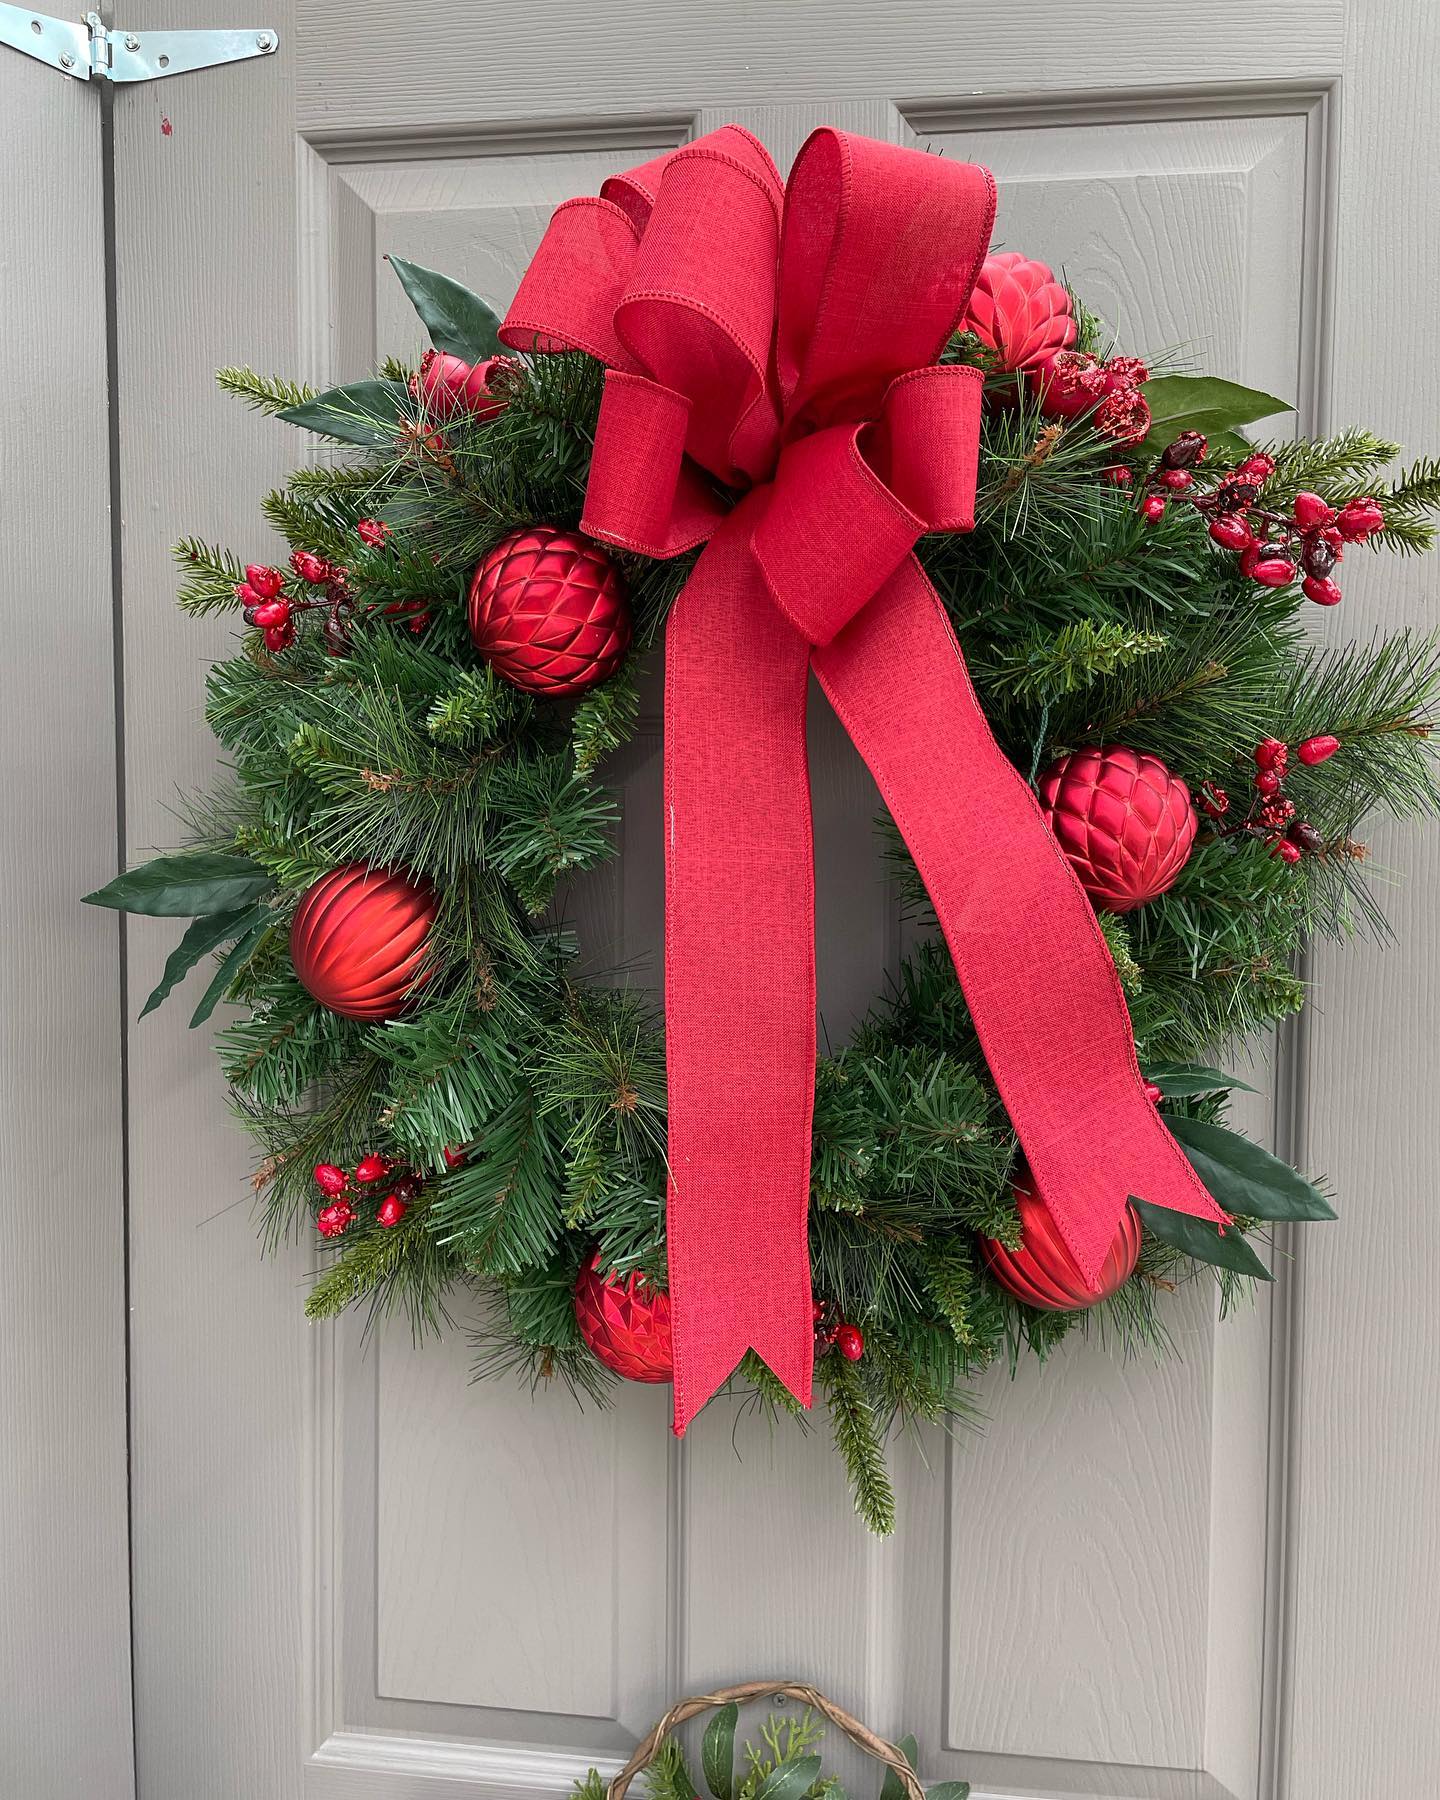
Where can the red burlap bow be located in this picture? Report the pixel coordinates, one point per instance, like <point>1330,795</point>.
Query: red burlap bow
<point>779,343</point>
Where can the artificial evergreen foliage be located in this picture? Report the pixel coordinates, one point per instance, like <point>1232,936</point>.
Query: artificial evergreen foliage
<point>1083,622</point>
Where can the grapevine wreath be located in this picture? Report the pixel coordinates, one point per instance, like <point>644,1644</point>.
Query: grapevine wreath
<point>747,420</point>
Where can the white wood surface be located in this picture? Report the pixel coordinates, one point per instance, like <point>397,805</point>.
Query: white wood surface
<point>64,1610</point>
<point>355,1575</point>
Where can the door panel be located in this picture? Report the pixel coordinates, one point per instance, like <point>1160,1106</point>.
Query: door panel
<point>480,1593</point>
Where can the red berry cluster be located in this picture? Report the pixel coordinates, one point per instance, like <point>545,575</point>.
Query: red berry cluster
<point>448,386</point>
<point>1274,547</point>
<point>1071,382</point>
<point>317,586</point>
<point>831,1331</point>
<point>1270,815</point>
<point>335,1219</point>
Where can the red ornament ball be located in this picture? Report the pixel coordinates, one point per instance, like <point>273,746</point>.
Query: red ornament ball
<point>359,940</point>
<point>548,611</point>
<point>1043,1273</point>
<point>1123,820</point>
<point>1019,310</point>
<point>625,1322</point>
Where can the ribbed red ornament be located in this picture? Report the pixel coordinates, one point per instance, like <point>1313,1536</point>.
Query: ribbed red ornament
<point>1043,1273</point>
<point>548,611</point>
<point>359,938</point>
<point>1019,310</point>
<point>1124,821</point>
<point>625,1322</point>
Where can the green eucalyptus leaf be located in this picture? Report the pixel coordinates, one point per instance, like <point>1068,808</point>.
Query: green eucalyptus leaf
<point>892,1788</point>
<point>187,886</point>
<point>458,321</point>
<point>205,934</point>
<point>1202,1240</point>
<point>233,961</point>
<point>1178,1081</point>
<point>1203,403</point>
<point>364,412</point>
<point>948,1790</point>
<point>717,1752</point>
<point>788,1780</point>
<point>1246,1179</point>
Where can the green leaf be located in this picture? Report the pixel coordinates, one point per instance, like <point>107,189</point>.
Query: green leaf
<point>892,1788</point>
<point>1246,1179</point>
<point>364,412</point>
<point>1202,1240</point>
<point>948,1790</point>
<point>717,1752</point>
<point>205,934</point>
<point>1177,1081</point>
<point>187,886</point>
<point>458,321</point>
<point>233,961</point>
<point>1203,403</point>
<point>788,1780</point>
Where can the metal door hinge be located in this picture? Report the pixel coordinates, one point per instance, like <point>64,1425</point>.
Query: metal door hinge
<point>89,51</point>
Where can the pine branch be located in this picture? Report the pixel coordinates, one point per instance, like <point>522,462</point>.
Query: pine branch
<point>859,1442</point>
<point>264,393</point>
<point>210,577</point>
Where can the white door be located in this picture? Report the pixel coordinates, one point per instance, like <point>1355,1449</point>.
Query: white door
<point>354,1574</point>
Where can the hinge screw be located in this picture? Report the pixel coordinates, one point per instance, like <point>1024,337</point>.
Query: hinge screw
<point>67,61</point>
<point>132,42</point>
<point>263,41</point>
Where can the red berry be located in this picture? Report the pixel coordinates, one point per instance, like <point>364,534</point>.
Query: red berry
<point>1306,836</point>
<point>280,637</point>
<point>270,613</point>
<point>454,1156</point>
<point>1267,782</point>
<point>1317,749</point>
<point>1269,752</point>
<point>1258,467</point>
<point>267,582</point>
<point>1124,372</point>
<point>449,386</point>
<point>372,1167</point>
<point>1277,813</point>
<point>850,1342</point>
<point>1358,518</point>
<point>1214,801</point>
<point>334,1220</point>
<point>1185,450</point>
<point>310,568</point>
<point>1123,415</point>
<point>1178,479</point>
<point>818,1310</point>
<point>248,596</point>
<point>1119,476</point>
<point>1231,532</point>
<point>1311,512</point>
<point>1321,590</point>
<point>1153,506</point>
<point>1153,1094</point>
<point>1287,852</point>
<point>372,531</point>
<point>1067,383</point>
<point>391,1210</point>
<point>1275,570</point>
<point>331,1180</point>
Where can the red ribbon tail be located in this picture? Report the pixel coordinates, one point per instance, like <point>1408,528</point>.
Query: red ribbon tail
<point>1036,971</point>
<point>739,978</point>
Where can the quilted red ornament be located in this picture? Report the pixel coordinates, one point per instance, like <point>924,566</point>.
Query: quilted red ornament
<point>625,1322</point>
<point>359,939</point>
<point>1043,1273</point>
<point>1124,821</point>
<point>1019,310</point>
<point>548,611</point>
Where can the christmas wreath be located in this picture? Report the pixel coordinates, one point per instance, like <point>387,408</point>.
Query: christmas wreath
<point>422,700</point>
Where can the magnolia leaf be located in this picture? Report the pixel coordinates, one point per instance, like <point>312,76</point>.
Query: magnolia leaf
<point>233,961</point>
<point>892,1788</point>
<point>788,1780</point>
<point>717,1752</point>
<point>1203,403</point>
<point>1178,1081</point>
<point>187,886</point>
<point>1202,1240</point>
<point>365,412</point>
<point>1246,1179</point>
<point>948,1790</point>
<point>205,934</point>
<point>458,321</point>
